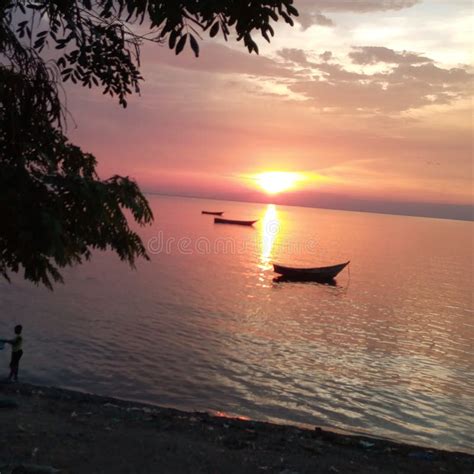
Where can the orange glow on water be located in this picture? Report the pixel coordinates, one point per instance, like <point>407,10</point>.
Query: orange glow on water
<point>223,414</point>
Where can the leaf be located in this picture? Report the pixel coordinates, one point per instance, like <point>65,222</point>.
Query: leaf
<point>38,43</point>
<point>172,39</point>
<point>194,45</point>
<point>214,29</point>
<point>272,14</point>
<point>292,10</point>
<point>181,43</point>
<point>287,18</point>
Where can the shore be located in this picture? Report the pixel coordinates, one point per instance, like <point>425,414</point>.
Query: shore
<point>49,430</point>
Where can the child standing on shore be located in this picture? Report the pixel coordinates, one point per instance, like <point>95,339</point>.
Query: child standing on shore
<point>17,352</point>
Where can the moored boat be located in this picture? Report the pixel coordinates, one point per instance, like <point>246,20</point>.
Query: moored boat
<point>213,213</point>
<point>219,220</point>
<point>313,274</point>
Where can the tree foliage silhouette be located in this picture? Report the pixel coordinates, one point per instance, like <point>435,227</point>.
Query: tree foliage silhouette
<point>54,208</point>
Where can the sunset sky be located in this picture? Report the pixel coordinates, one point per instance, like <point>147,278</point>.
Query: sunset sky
<point>368,103</point>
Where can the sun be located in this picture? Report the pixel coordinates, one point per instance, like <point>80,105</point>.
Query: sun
<point>274,182</point>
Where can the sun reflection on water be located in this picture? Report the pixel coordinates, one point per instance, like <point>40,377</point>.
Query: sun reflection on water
<point>269,232</point>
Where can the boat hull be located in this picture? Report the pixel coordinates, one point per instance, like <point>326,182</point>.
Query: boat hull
<point>321,274</point>
<point>213,213</point>
<point>219,220</point>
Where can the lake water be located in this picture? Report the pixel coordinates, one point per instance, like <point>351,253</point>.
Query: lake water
<point>203,326</point>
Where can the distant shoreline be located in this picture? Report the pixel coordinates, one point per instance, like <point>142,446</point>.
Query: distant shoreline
<point>469,210</point>
<point>84,433</point>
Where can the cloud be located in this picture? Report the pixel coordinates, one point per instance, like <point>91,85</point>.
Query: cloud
<point>311,10</point>
<point>326,56</point>
<point>414,81</point>
<point>336,73</point>
<point>360,6</point>
<point>409,80</point>
<point>295,55</point>
<point>310,18</point>
<point>377,54</point>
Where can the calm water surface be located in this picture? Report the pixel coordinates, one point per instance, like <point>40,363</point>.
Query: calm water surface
<point>388,350</point>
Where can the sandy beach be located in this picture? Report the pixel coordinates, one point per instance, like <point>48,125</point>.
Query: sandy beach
<point>48,430</point>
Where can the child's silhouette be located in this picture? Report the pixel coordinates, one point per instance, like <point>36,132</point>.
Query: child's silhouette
<point>17,352</point>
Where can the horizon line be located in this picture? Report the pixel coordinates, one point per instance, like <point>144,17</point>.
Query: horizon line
<point>457,219</point>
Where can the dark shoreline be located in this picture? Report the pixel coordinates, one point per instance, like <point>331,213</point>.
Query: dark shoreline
<point>84,433</point>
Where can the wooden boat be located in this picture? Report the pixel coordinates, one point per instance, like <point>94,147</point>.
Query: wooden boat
<point>321,274</point>
<point>213,213</point>
<point>219,220</point>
